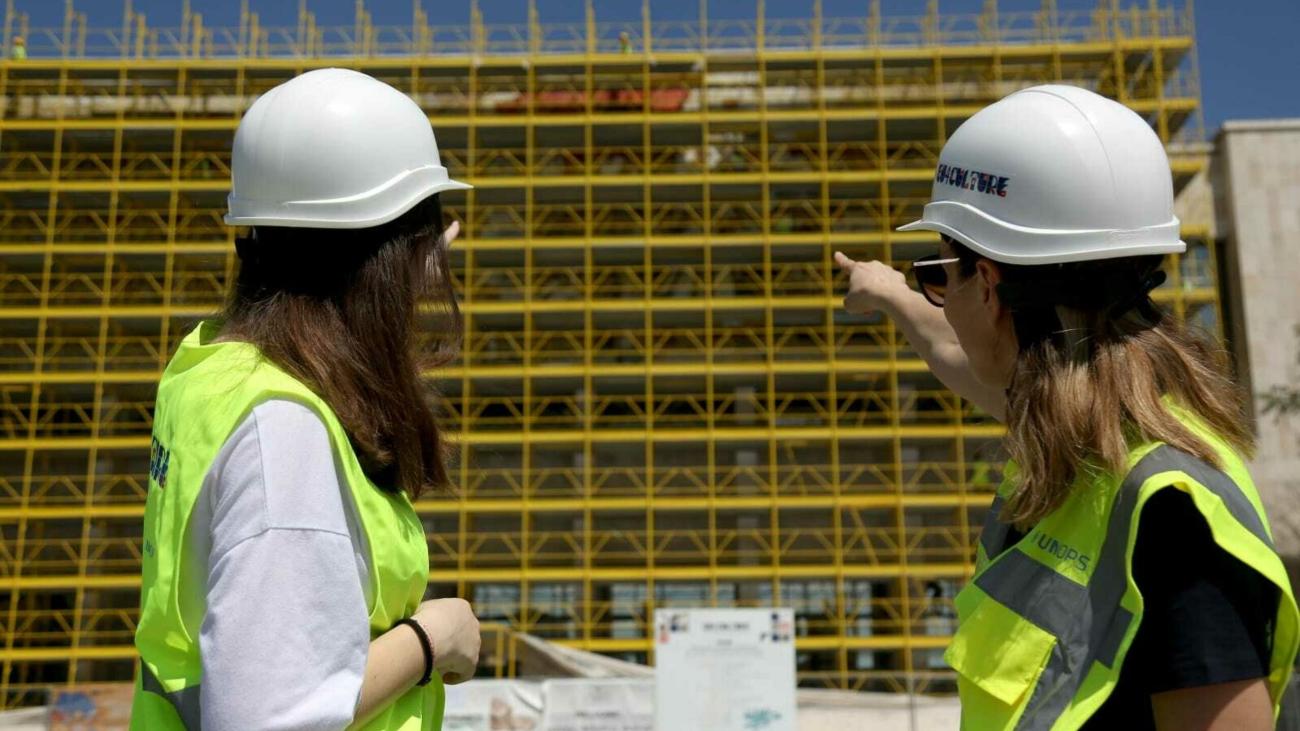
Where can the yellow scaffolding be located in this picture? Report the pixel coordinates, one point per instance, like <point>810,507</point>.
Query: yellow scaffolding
<point>658,402</point>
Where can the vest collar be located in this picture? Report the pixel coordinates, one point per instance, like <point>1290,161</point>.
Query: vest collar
<point>198,346</point>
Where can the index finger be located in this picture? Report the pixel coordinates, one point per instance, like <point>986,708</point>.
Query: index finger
<point>845,263</point>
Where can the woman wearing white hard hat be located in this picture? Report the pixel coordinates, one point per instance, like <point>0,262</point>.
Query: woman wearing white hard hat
<point>285,567</point>
<point>1126,576</point>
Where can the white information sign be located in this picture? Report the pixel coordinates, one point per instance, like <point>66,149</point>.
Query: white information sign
<point>583,704</point>
<point>494,705</point>
<point>724,670</point>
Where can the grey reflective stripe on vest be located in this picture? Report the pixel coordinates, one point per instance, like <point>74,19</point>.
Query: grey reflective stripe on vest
<point>1220,484</point>
<point>993,536</point>
<point>185,700</point>
<point>1088,622</point>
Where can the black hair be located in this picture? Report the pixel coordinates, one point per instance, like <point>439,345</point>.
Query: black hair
<point>1110,288</point>
<point>340,310</point>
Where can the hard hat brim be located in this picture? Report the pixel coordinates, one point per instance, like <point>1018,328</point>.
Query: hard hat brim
<point>939,227</point>
<point>972,227</point>
<point>366,210</point>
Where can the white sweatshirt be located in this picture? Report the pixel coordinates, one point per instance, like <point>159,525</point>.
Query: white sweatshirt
<point>284,627</point>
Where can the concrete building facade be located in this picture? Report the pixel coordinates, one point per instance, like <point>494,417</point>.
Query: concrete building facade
<point>1254,175</point>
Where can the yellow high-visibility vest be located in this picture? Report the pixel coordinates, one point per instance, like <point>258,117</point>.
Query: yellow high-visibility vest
<point>206,392</point>
<point>1045,623</point>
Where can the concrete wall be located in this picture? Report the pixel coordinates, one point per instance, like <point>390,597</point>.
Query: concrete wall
<point>1255,173</point>
<point>1195,204</point>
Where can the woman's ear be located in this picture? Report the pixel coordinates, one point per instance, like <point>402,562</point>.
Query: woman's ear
<point>990,276</point>
<point>1005,345</point>
<point>452,232</point>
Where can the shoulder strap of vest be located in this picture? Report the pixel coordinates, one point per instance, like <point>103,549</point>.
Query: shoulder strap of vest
<point>1168,459</point>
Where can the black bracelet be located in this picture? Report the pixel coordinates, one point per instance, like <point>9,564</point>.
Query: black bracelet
<point>426,645</point>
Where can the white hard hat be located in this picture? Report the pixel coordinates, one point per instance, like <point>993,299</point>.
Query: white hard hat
<point>333,148</point>
<point>1054,174</point>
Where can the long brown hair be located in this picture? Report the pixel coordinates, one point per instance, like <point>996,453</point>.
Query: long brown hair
<point>339,309</point>
<point>1089,380</point>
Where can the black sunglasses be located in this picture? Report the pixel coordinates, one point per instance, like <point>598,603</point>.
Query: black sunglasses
<point>932,277</point>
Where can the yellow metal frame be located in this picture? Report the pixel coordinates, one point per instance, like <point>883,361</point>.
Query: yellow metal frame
<point>658,401</point>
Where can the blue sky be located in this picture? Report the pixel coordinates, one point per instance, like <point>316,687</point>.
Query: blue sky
<point>1249,65</point>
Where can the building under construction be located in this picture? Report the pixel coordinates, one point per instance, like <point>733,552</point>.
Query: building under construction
<point>659,400</point>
